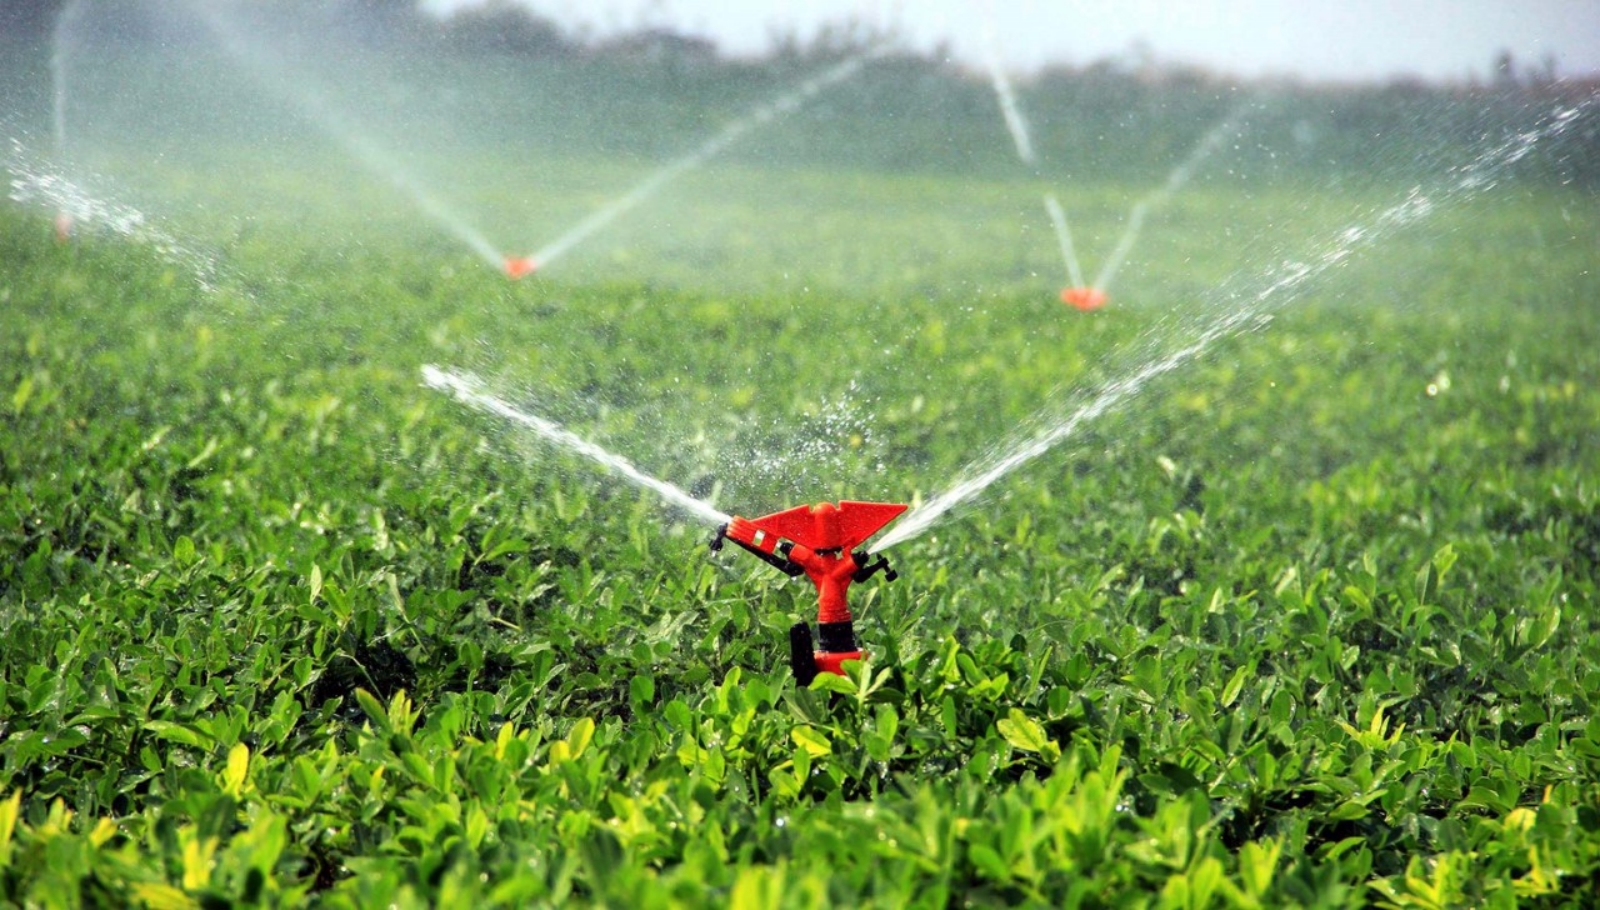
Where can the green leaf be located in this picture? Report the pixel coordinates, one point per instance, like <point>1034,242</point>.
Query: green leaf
<point>177,733</point>
<point>642,689</point>
<point>161,896</point>
<point>988,862</point>
<point>1443,560</point>
<point>183,552</point>
<point>830,682</point>
<point>812,741</point>
<point>233,776</point>
<point>1258,863</point>
<point>19,398</point>
<point>888,721</point>
<point>1230,692</point>
<point>1348,811</point>
<point>10,810</point>
<point>582,733</point>
<point>374,709</point>
<point>1024,733</point>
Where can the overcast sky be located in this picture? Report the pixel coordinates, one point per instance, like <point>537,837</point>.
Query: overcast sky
<point>1316,39</point>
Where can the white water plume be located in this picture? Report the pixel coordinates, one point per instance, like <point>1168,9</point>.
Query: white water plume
<point>731,133</point>
<point>32,184</point>
<point>1058,220</point>
<point>1273,289</point>
<point>469,390</point>
<point>277,76</point>
<point>59,69</point>
<point>1021,137</point>
<point>1016,123</point>
<point>1175,181</point>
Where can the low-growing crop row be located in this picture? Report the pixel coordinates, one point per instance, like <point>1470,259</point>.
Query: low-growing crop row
<point>1310,623</point>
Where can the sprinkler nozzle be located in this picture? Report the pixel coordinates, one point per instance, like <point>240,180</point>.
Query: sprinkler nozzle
<point>519,266</point>
<point>1083,299</point>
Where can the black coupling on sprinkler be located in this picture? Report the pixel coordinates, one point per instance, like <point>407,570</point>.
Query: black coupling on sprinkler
<point>802,654</point>
<point>837,637</point>
<point>868,568</point>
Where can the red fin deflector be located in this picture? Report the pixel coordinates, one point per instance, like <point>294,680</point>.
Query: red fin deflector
<point>791,524</point>
<point>518,266</point>
<point>1084,299</point>
<point>855,522</point>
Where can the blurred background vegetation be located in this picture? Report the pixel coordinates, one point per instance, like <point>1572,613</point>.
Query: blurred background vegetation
<point>915,112</point>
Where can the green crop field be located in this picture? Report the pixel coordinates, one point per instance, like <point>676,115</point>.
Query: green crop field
<point>1304,617</point>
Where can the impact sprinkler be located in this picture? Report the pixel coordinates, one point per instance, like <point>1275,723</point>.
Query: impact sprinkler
<point>819,541</point>
<point>1083,299</point>
<point>64,225</point>
<point>520,266</point>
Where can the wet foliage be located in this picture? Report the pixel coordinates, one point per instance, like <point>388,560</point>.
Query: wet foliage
<point>1310,622</point>
<point>1309,627</point>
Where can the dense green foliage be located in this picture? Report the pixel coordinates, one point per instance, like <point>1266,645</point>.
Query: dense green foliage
<point>1309,622</point>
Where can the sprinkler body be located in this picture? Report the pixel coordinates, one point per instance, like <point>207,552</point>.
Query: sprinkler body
<point>520,266</point>
<point>820,543</point>
<point>1083,299</point>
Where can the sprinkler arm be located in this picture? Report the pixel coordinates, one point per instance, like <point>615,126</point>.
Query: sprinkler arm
<point>868,569</point>
<point>779,557</point>
<point>773,558</point>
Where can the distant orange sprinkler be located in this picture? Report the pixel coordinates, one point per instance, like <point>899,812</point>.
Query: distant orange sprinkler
<point>64,225</point>
<point>819,541</point>
<point>1083,299</point>
<point>520,266</point>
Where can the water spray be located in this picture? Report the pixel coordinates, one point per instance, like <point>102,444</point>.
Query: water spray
<point>1076,294</point>
<point>1180,175</point>
<point>77,208</point>
<point>1016,123</point>
<point>1084,298</point>
<point>59,69</point>
<point>1273,289</point>
<point>730,134</point>
<point>816,541</point>
<point>469,390</point>
<point>276,76</point>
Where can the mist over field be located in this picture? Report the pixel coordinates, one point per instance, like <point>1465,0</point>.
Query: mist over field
<point>372,382</point>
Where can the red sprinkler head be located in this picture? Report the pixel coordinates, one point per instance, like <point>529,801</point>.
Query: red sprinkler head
<point>519,266</point>
<point>1083,299</point>
<point>819,542</point>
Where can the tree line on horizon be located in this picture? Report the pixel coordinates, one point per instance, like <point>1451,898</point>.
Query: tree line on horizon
<point>925,111</point>
<point>511,28</point>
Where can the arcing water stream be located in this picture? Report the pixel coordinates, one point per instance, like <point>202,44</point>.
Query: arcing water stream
<point>1016,123</point>
<point>1175,181</point>
<point>59,65</point>
<point>1021,137</point>
<point>1058,220</point>
<point>276,75</point>
<point>1251,305</point>
<point>653,184</point>
<point>469,390</point>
